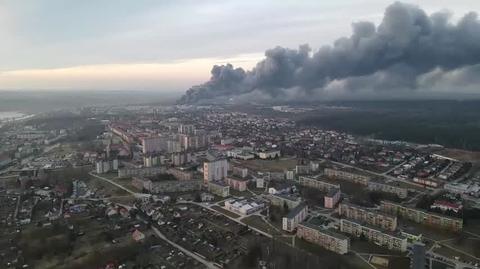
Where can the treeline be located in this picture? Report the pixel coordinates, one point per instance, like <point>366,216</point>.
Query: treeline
<point>449,123</point>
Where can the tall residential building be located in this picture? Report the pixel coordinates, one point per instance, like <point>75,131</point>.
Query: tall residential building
<point>174,146</point>
<point>367,215</point>
<point>186,129</point>
<point>151,160</point>
<point>191,141</point>
<point>215,170</point>
<point>105,166</point>
<point>330,240</point>
<point>153,144</point>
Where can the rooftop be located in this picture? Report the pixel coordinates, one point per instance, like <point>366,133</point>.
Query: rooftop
<point>325,231</point>
<point>296,210</point>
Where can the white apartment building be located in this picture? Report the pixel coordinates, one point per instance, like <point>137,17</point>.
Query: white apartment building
<point>215,170</point>
<point>294,217</point>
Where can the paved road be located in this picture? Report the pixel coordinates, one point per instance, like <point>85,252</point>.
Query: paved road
<point>237,220</point>
<point>458,264</point>
<point>136,194</point>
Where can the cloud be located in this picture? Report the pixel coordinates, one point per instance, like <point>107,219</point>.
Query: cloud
<point>409,51</point>
<point>148,76</point>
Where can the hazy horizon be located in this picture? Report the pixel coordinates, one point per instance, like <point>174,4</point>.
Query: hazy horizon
<point>166,47</point>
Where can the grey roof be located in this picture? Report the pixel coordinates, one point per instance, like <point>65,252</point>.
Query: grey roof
<point>325,231</point>
<point>296,210</point>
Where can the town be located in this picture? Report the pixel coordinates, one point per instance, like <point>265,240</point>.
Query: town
<point>227,187</point>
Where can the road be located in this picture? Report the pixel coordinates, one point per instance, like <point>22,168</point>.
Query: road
<point>208,264</point>
<point>237,220</point>
<point>135,194</point>
<point>457,263</point>
<point>13,165</point>
<point>381,175</point>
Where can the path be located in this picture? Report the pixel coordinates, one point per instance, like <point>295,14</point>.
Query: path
<point>189,253</point>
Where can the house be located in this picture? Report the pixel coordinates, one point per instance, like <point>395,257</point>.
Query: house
<point>138,236</point>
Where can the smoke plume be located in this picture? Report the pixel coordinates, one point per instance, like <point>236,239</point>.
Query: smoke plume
<point>408,52</point>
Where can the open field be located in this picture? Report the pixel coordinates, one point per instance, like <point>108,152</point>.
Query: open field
<point>257,222</point>
<point>279,165</point>
<point>349,260</point>
<point>104,187</point>
<point>462,155</point>
<point>67,248</point>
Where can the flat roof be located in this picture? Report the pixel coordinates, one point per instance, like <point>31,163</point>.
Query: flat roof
<point>235,177</point>
<point>325,231</point>
<point>423,211</point>
<point>332,192</point>
<point>392,234</point>
<point>296,210</point>
<point>218,183</point>
<point>287,196</point>
<point>373,210</point>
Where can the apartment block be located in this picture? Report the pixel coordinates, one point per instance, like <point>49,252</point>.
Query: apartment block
<point>377,185</point>
<point>284,199</point>
<point>328,239</point>
<point>367,215</point>
<point>422,216</point>
<point>237,183</point>
<point>294,217</point>
<point>215,170</point>
<point>331,199</point>
<point>219,188</point>
<point>348,175</point>
<point>374,234</point>
<point>317,183</point>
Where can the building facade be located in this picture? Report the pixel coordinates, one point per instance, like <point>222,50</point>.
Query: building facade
<point>294,217</point>
<point>367,215</point>
<point>166,185</point>
<point>215,170</point>
<point>284,199</point>
<point>376,185</point>
<point>422,216</point>
<point>153,144</point>
<point>373,234</point>
<point>105,166</point>
<point>143,172</point>
<point>331,199</point>
<point>327,239</point>
<point>219,188</point>
<point>237,183</point>
<point>348,175</point>
<point>317,183</point>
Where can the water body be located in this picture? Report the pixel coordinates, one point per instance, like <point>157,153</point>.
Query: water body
<point>12,115</point>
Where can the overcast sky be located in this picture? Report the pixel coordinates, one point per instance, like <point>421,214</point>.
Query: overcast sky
<point>166,45</point>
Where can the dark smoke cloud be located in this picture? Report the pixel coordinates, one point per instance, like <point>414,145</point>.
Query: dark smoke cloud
<point>409,50</point>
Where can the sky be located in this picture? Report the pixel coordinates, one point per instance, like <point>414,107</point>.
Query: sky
<point>166,45</point>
